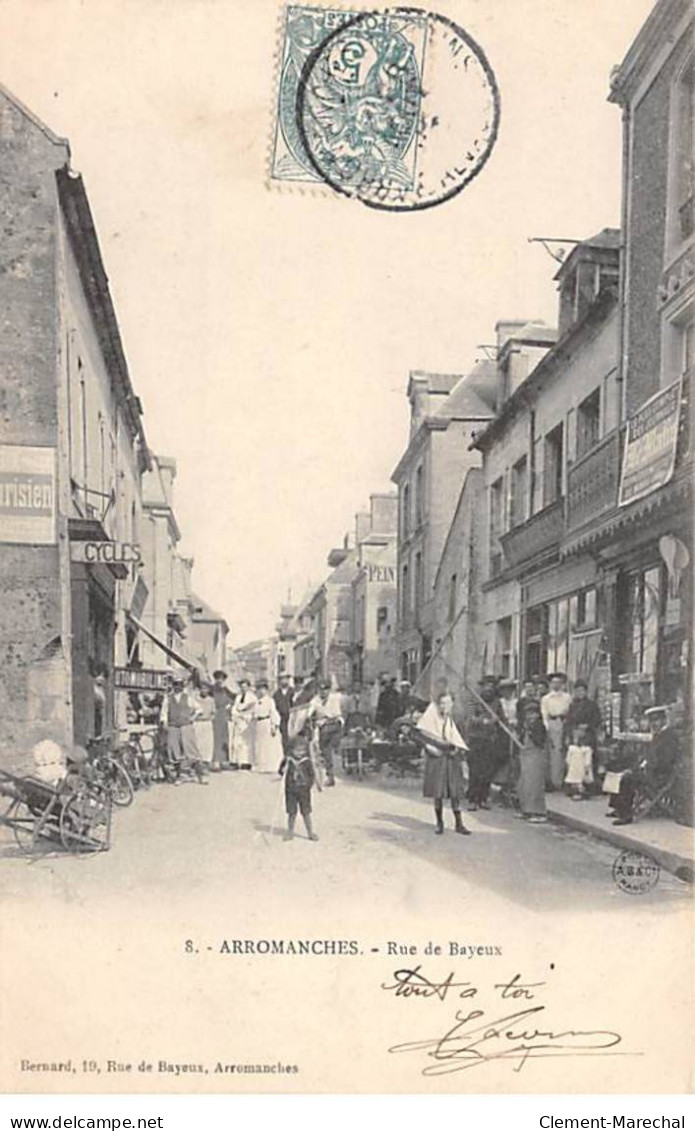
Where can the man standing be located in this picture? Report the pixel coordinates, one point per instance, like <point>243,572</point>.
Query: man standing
<point>284,698</point>
<point>222,698</point>
<point>389,705</point>
<point>325,711</point>
<point>554,708</point>
<point>181,743</point>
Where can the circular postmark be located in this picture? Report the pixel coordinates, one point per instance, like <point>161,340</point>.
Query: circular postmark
<point>399,109</point>
<point>635,873</point>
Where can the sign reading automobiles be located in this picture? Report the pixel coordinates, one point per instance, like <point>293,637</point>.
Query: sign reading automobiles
<point>650,445</point>
<point>27,495</point>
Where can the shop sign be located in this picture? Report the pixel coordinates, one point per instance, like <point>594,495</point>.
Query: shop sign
<point>27,495</point>
<point>650,446</point>
<point>139,597</point>
<point>141,679</point>
<point>106,553</point>
<point>384,575</point>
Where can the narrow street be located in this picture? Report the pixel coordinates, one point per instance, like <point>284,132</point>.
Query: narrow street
<point>376,842</point>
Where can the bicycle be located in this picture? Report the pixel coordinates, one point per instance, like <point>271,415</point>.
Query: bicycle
<point>108,765</point>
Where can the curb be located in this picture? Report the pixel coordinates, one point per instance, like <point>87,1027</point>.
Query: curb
<point>678,864</point>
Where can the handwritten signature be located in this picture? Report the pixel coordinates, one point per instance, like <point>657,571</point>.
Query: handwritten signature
<point>473,1039</point>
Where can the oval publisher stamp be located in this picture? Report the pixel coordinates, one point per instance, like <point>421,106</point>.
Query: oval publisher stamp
<point>635,873</point>
<point>398,109</point>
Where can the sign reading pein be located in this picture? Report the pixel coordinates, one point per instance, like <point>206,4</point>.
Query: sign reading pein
<point>27,495</point>
<point>650,445</point>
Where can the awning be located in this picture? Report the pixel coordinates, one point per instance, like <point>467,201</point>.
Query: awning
<point>170,652</point>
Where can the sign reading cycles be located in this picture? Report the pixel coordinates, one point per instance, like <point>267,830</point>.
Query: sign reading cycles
<point>106,553</point>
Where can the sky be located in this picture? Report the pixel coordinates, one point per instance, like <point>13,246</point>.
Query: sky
<point>270,333</point>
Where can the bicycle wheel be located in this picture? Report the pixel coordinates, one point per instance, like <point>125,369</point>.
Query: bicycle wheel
<point>85,822</point>
<point>119,784</point>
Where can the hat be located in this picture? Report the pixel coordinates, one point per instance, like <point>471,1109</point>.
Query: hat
<point>244,679</point>
<point>487,692</point>
<point>507,683</point>
<point>219,674</point>
<point>556,675</point>
<point>325,685</point>
<point>178,678</point>
<point>261,683</point>
<point>581,683</point>
<point>284,675</point>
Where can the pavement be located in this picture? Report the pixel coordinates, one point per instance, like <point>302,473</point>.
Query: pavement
<point>670,844</point>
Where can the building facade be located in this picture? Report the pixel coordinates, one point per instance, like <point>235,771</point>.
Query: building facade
<point>374,597</point>
<point>72,451</point>
<point>445,412</point>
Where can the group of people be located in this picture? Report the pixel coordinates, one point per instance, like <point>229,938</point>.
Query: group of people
<point>540,740</point>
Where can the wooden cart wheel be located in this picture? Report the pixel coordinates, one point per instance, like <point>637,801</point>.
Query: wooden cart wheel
<point>28,828</point>
<point>85,822</point>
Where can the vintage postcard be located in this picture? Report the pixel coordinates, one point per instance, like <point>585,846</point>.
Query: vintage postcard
<point>346,547</point>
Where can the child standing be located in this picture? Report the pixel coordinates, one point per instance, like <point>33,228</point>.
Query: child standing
<point>300,777</point>
<point>579,763</point>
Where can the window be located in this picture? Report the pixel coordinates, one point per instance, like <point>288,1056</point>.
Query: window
<point>496,526</point>
<point>519,488</point>
<point>536,643</point>
<point>419,581</point>
<point>552,469</point>
<point>558,636</point>
<point>503,666</point>
<point>452,597</point>
<point>588,423</point>
<point>405,516</point>
<point>419,497</point>
<point>537,481</point>
<point>583,610</point>
<point>644,600</point>
<point>382,616</point>
<point>405,592</point>
<point>684,145</point>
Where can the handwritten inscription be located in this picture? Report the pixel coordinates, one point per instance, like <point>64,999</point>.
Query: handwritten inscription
<point>477,1035</point>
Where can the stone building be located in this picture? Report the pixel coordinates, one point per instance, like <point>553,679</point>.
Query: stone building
<point>72,450</point>
<point>540,613</point>
<point>446,410</point>
<point>374,592</point>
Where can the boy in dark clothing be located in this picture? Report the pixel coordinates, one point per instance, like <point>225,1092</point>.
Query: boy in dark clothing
<point>300,777</point>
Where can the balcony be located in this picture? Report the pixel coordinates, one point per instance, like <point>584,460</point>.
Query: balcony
<point>541,533</point>
<point>592,483</point>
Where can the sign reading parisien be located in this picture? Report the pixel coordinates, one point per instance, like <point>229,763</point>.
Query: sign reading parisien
<point>27,495</point>
<point>106,553</point>
<point>650,445</point>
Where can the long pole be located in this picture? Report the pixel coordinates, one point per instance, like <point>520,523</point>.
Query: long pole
<point>476,696</point>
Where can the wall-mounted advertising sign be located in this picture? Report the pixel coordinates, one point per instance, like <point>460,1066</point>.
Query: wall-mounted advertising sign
<point>141,679</point>
<point>106,553</point>
<point>27,495</point>
<point>650,445</point>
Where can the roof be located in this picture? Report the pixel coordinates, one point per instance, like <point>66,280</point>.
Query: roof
<point>439,383</point>
<point>473,395</point>
<point>204,612</point>
<point>52,137</point>
<point>608,239</point>
<point>596,315</point>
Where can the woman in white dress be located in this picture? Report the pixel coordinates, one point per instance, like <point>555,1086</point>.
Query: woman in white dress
<point>267,737</point>
<point>242,728</point>
<point>202,725</point>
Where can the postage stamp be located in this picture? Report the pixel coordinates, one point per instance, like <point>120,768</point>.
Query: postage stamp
<point>398,109</point>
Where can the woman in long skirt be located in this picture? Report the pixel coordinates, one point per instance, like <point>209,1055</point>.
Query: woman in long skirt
<point>443,761</point>
<point>202,725</point>
<point>267,737</point>
<point>532,762</point>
